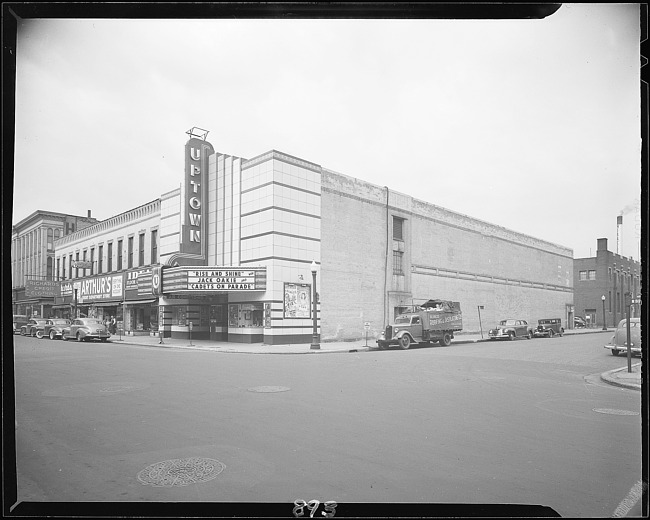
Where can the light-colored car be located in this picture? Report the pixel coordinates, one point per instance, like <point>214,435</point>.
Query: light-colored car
<point>32,327</point>
<point>618,343</point>
<point>84,329</point>
<point>54,328</point>
<point>511,329</point>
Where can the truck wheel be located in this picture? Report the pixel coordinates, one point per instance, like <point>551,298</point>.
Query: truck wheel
<point>530,335</point>
<point>446,340</point>
<point>405,342</point>
<point>614,352</point>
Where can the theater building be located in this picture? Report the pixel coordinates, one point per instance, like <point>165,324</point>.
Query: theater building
<point>228,256</point>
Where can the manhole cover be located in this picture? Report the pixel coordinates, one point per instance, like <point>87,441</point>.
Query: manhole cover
<point>180,472</point>
<point>267,389</point>
<point>611,411</point>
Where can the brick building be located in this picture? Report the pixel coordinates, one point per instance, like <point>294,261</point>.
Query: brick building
<point>610,275</point>
<point>239,238</point>
<point>33,266</point>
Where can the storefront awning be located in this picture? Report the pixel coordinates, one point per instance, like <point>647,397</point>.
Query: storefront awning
<point>106,304</point>
<point>65,306</point>
<point>139,302</point>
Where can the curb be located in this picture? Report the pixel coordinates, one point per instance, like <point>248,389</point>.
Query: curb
<point>608,378</point>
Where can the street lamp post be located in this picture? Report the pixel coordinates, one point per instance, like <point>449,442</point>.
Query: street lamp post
<point>315,344</point>
<point>604,316</point>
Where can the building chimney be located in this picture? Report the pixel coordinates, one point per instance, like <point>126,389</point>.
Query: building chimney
<point>619,235</point>
<point>89,214</point>
<point>602,244</point>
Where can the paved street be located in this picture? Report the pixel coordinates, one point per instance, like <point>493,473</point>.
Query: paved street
<point>524,422</point>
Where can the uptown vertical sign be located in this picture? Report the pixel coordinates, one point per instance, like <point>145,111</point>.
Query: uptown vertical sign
<point>193,245</point>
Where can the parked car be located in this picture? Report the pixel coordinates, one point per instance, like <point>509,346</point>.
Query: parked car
<point>20,320</point>
<point>32,327</point>
<point>83,329</point>
<point>618,343</point>
<point>511,329</point>
<point>54,328</point>
<point>579,323</point>
<point>547,328</point>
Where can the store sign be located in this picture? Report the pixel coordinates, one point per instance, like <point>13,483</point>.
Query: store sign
<point>82,264</point>
<point>195,203</point>
<point>106,287</point>
<point>156,281</point>
<point>42,289</point>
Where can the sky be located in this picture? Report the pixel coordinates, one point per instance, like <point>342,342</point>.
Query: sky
<point>532,125</point>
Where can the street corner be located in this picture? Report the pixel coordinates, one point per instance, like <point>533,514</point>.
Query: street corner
<point>623,378</point>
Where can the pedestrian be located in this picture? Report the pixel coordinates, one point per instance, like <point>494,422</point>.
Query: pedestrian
<point>112,325</point>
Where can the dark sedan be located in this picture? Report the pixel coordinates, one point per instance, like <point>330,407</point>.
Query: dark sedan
<point>84,329</point>
<point>511,329</point>
<point>32,327</point>
<point>54,328</point>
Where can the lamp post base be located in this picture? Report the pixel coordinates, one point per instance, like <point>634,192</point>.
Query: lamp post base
<point>315,345</point>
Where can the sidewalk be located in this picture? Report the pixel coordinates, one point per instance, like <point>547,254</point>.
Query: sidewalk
<point>261,348</point>
<point>621,377</point>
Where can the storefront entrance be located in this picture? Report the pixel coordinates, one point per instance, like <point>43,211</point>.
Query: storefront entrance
<point>218,325</point>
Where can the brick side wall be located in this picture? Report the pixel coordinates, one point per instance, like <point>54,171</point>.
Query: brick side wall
<point>446,255</point>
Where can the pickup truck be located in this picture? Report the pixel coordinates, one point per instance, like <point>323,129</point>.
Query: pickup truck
<point>434,321</point>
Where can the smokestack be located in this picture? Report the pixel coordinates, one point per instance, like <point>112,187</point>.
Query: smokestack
<point>89,214</point>
<point>619,235</point>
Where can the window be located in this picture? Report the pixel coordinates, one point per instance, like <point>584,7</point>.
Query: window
<point>92,261</point>
<point>609,273</point>
<point>119,255</point>
<point>397,262</point>
<point>154,246</point>
<point>609,300</point>
<point>100,259</point>
<point>129,253</point>
<point>398,228</point>
<point>141,249</point>
<point>63,268</point>
<point>583,275</point>
<point>76,271</point>
<point>592,275</point>
<point>110,257</point>
<point>50,239</point>
<point>84,259</point>
<point>57,234</point>
<point>58,266</point>
<point>49,268</point>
